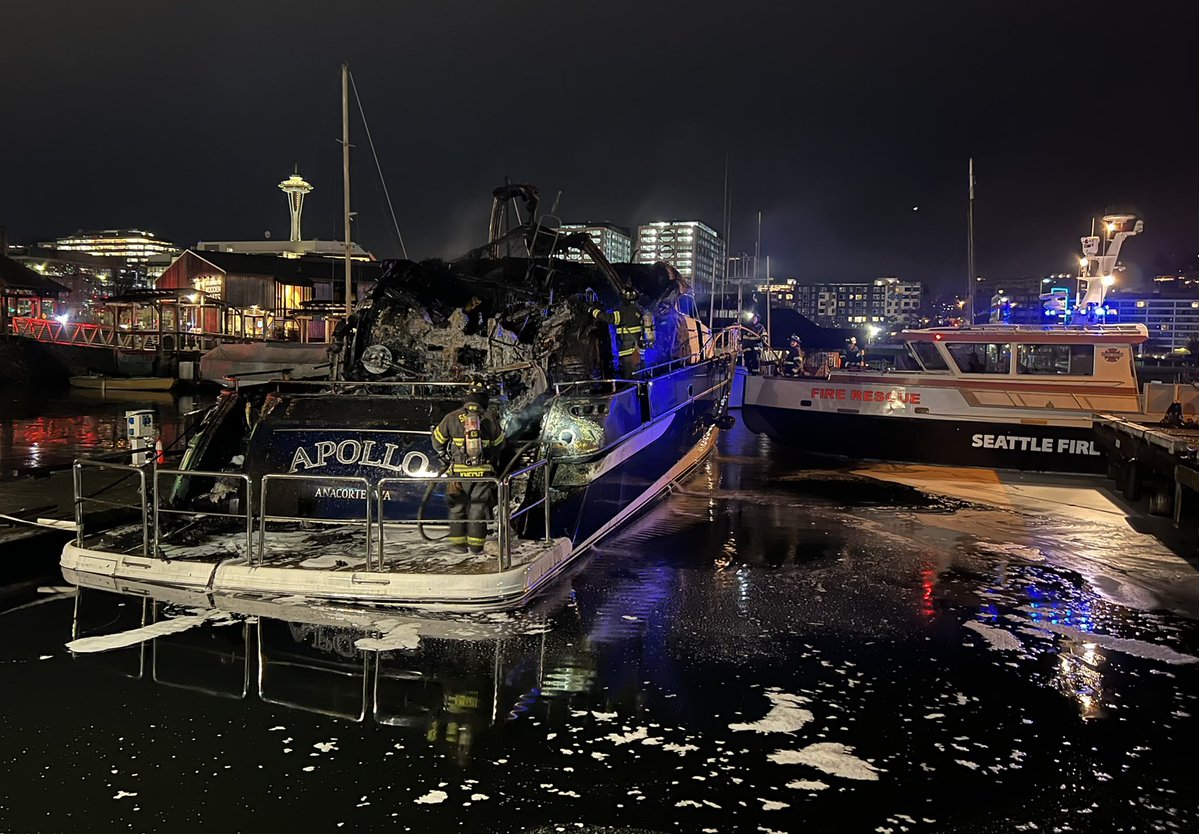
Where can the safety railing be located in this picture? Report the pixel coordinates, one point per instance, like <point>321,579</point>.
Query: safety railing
<point>382,496</point>
<point>265,516</point>
<point>81,499</point>
<point>152,495</point>
<point>502,524</point>
<point>248,515</point>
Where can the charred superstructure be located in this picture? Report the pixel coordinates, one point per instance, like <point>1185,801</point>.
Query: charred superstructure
<point>590,439</point>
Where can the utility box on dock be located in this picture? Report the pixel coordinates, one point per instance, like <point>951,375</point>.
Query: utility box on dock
<point>142,431</point>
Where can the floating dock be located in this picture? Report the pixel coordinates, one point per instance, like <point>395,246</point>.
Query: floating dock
<point>1157,462</point>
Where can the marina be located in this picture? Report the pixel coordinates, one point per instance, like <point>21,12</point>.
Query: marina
<point>613,418</point>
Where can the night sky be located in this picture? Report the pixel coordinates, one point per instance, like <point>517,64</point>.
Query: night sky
<point>837,119</point>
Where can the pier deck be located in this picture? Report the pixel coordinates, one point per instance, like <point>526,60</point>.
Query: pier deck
<point>1158,461</point>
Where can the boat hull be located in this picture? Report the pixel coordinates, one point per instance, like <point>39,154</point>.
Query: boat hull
<point>993,445</point>
<point>592,495</point>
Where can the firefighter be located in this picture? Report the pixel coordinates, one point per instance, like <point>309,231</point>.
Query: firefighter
<point>469,439</point>
<point>627,325</point>
<point>793,359</point>
<point>753,341</point>
<point>855,357</point>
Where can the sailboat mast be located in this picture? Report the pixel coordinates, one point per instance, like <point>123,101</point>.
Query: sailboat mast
<point>345,179</point>
<point>970,268</point>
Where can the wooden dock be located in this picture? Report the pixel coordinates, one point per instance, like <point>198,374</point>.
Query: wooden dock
<point>1156,462</point>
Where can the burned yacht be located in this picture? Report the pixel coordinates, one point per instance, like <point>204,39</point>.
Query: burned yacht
<point>332,489</point>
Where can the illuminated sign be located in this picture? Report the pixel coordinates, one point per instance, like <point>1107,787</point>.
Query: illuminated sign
<point>210,285</point>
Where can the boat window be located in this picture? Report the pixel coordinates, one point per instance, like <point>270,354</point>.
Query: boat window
<point>926,354</point>
<point>981,358</point>
<point>1075,360</point>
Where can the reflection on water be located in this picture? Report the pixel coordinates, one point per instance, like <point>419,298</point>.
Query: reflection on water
<point>746,656</point>
<point>37,431</point>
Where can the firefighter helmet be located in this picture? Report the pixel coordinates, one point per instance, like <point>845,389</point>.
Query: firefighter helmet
<point>477,393</point>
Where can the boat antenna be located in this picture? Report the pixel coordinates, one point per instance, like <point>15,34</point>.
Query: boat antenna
<point>378,167</point>
<point>345,180</point>
<point>970,266</point>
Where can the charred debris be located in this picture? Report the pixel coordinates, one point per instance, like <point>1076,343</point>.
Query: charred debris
<point>512,313</point>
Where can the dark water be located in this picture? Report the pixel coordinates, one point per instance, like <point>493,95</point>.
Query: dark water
<point>635,695</point>
<point>52,428</point>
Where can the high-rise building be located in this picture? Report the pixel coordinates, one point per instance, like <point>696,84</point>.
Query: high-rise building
<point>690,246</point>
<point>613,241</point>
<point>860,303</point>
<point>134,245</point>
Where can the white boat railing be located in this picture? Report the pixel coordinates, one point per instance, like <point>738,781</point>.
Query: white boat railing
<point>502,524</point>
<point>81,499</point>
<point>153,512</point>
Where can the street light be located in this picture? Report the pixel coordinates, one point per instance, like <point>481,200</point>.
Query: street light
<point>1108,280</point>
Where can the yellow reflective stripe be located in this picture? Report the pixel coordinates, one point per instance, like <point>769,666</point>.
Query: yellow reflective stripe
<point>477,542</point>
<point>458,441</point>
<point>628,330</point>
<point>456,539</point>
<point>499,441</point>
<point>438,436</point>
<point>470,471</point>
<point>628,352</point>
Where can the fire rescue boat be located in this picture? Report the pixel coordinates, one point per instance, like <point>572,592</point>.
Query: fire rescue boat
<point>997,395</point>
<point>332,489</point>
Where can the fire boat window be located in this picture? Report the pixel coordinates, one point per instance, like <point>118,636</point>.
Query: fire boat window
<point>928,356</point>
<point>985,358</point>
<point>1074,360</point>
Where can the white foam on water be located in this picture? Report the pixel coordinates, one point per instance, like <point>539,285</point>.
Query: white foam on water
<point>603,716</point>
<point>433,798</point>
<point>1136,648</point>
<point>831,758</point>
<point>625,738</point>
<point>123,794</point>
<point>479,797</point>
<point>997,638</point>
<point>598,756</point>
<point>933,715</point>
<point>628,617</point>
<point>681,749</point>
<point>123,639</point>
<point>276,728</point>
<point>402,636</point>
<point>785,715</point>
<point>326,746</point>
<point>310,768</point>
<point>807,785</point>
<point>965,763</point>
<point>772,804</point>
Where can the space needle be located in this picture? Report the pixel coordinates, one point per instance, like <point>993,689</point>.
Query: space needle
<point>295,188</point>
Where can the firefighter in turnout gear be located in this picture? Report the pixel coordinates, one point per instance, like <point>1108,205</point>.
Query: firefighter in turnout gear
<point>469,439</point>
<point>627,326</point>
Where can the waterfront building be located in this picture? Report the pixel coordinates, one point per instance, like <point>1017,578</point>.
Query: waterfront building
<point>860,303</point>
<point>25,292</point>
<point>1171,317</point>
<point>690,246</point>
<point>613,241</point>
<point>286,248</point>
<point>87,279</point>
<point>265,295</point>
<point>131,245</point>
